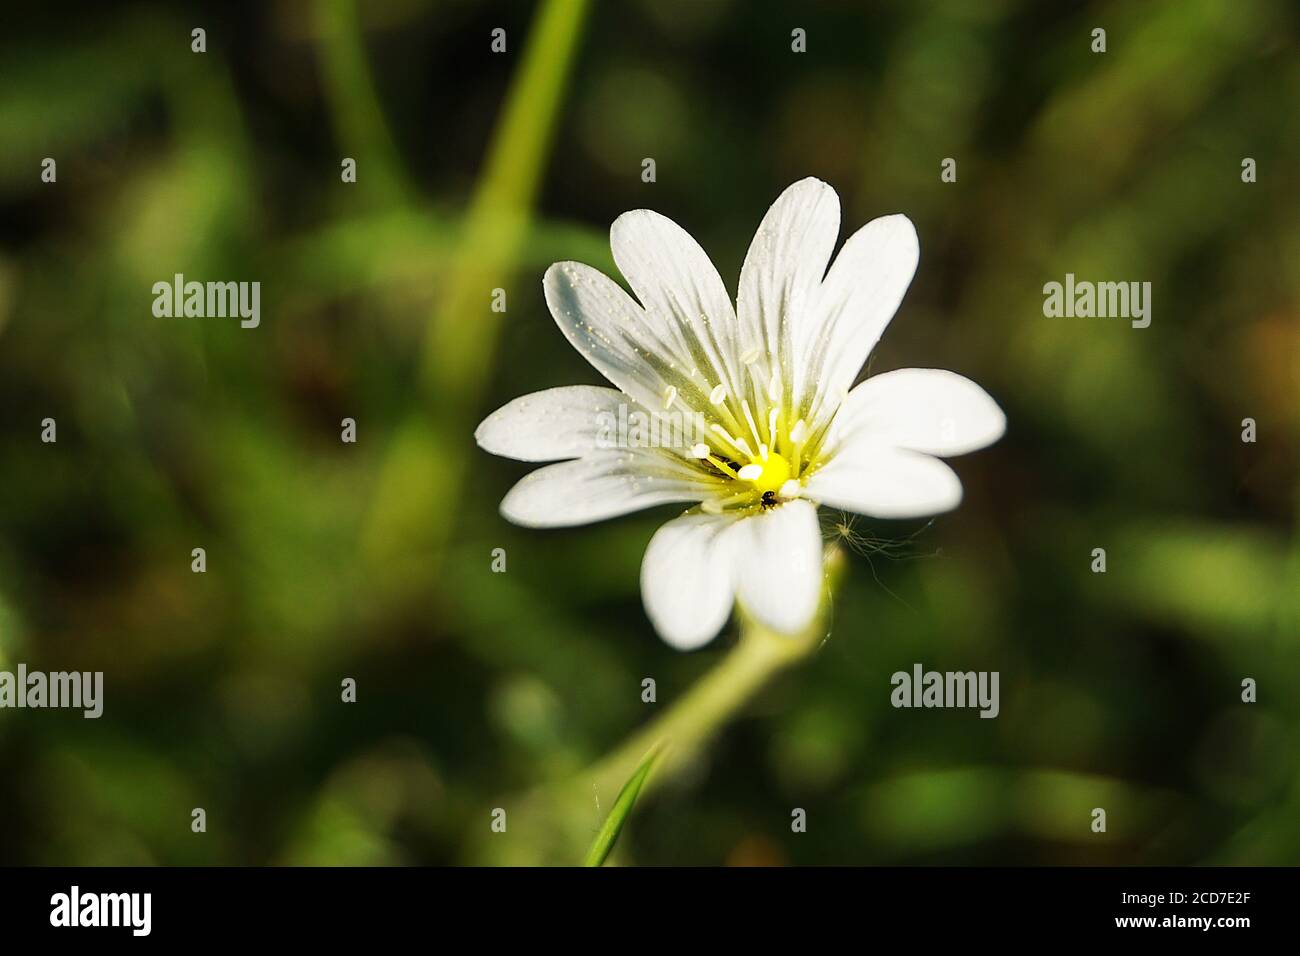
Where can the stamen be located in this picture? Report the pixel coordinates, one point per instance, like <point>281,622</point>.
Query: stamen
<point>722,466</point>
<point>700,451</point>
<point>798,435</point>
<point>718,395</point>
<point>737,443</point>
<point>774,387</point>
<point>751,356</point>
<point>749,417</point>
<point>750,472</point>
<point>670,395</point>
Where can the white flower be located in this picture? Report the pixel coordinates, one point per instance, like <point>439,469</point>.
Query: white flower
<point>770,380</point>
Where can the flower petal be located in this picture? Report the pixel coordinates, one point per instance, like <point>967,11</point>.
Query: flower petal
<point>678,286</point>
<point>688,579</point>
<point>929,410</point>
<point>659,358</point>
<point>778,556</point>
<point>861,293</point>
<point>610,330</point>
<point>602,485</point>
<point>782,271</point>
<point>550,425</point>
<point>885,482</point>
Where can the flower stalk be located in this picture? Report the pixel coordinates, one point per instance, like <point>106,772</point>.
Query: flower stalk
<point>561,819</point>
<point>687,726</point>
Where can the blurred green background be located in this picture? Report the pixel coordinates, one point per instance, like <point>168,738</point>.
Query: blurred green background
<point>372,561</point>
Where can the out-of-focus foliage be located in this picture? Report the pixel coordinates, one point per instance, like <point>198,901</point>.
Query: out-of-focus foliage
<point>373,561</point>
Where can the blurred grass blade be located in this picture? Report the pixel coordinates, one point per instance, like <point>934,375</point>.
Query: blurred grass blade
<point>621,810</point>
<point>423,471</point>
<point>354,102</point>
<point>462,330</point>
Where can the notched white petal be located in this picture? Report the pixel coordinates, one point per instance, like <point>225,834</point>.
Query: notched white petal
<point>862,291</point>
<point>668,271</point>
<point>778,555</point>
<point>645,352</point>
<point>601,485</point>
<point>924,409</point>
<point>781,274</point>
<point>884,482</point>
<point>557,423</point>
<point>606,327</point>
<point>688,579</point>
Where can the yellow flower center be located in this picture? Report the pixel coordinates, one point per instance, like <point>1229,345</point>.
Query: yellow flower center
<point>767,475</point>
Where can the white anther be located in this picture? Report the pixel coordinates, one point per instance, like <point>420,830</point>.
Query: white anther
<point>774,387</point>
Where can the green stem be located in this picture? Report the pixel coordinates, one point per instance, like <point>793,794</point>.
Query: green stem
<point>562,817</point>
<point>686,727</point>
<point>405,535</point>
<point>354,103</point>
